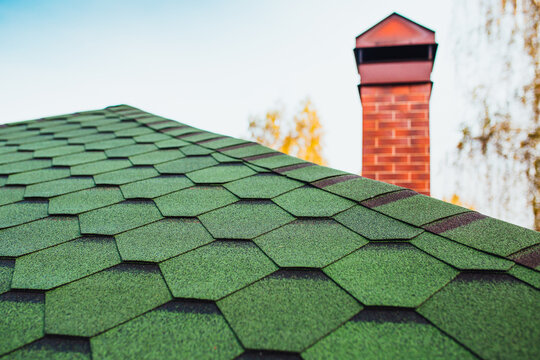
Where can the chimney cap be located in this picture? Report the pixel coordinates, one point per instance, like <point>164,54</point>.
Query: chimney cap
<point>395,30</point>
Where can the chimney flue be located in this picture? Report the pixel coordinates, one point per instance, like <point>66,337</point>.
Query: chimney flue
<point>395,59</point>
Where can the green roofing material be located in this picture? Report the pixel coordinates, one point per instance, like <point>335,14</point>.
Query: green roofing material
<point>67,262</point>
<point>53,348</point>
<point>360,188</point>
<point>194,201</point>
<point>162,239</point>
<point>99,167</point>
<point>390,334</point>
<point>155,157</point>
<point>147,246</point>
<point>35,176</point>
<point>27,165</point>
<point>11,194</point>
<point>79,158</point>
<point>103,300</point>
<point>176,330</point>
<point>262,186</point>
<point>185,165</point>
<point>312,202</point>
<point>312,173</point>
<point>525,274</point>
<point>375,226</point>
<point>244,220</point>
<point>120,217</point>
<point>494,236</point>
<point>216,270</point>
<point>130,150</point>
<point>499,321</point>
<point>419,209</point>
<point>59,151</point>
<point>309,243</point>
<point>85,200</point>
<point>154,187</point>
<point>22,212</point>
<point>390,274</point>
<point>220,174</point>
<point>125,176</point>
<point>37,235</point>
<point>457,255</point>
<point>6,273</point>
<point>287,311</point>
<point>58,187</point>
<point>22,319</point>
<point>196,150</point>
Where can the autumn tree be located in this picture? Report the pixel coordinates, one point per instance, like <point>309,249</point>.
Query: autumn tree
<point>300,136</point>
<point>503,142</point>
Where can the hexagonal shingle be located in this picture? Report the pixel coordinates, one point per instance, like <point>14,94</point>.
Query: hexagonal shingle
<point>162,239</point>
<point>130,150</point>
<point>120,217</point>
<point>376,226</point>
<point>220,174</point>
<point>11,194</point>
<point>37,235</point>
<point>459,256</point>
<point>36,176</point>
<point>244,220</point>
<point>22,319</point>
<point>6,273</point>
<point>22,212</point>
<point>63,263</point>
<point>21,166</point>
<point>194,201</point>
<point>287,311</point>
<point>390,274</point>
<point>216,270</point>
<point>99,167</point>
<point>156,157</point>
<point>154,187</point>
<point>203,331</point>
<point>85,200</point>
<point>185,165</point>
<point>312,202</point>
<point>58,187</point>
<point>262,186</point>
<point>79,158</point>
<point>499,321</point>
<point>103,300</point>
<point>392,334</point>
<point>125,176</point>
<point>47,347</point>
<point>309,243</point>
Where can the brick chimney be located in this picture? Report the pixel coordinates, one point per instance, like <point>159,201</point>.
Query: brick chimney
<point>395,59</point>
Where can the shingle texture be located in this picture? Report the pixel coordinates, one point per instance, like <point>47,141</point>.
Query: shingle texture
<point>127,235</point>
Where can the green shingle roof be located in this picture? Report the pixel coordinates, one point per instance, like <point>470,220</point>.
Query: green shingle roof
<point>127,235</point>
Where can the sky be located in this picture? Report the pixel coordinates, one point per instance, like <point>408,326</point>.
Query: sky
<point>213,64</point>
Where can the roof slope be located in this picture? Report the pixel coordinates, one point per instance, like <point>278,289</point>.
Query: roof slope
<point>127,235</point>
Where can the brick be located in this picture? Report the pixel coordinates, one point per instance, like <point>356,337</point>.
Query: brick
<point>378,150</point>
<point>420,106</point>
<point>424,176</point>
<point>412,167</point>
<point>410,150</point>
<point>381,159</point>
<point>381,133</point>
<point>419,158</point>
<point>420,115</point>
<point>376,98</point>
<point>377,167</point>
<point>412,98</point>
<point>393,176</point>
<point>394,141</point>
<point>394,125</point>
<point>394,107</point>
<point>411,132</point>
<point>420,141</point>
<point>378,116</point>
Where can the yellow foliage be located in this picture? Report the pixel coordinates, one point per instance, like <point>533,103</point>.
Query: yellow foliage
<point>301,138</point>
<point>457,201</point>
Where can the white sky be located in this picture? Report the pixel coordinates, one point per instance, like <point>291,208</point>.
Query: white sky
<point>212,64</point>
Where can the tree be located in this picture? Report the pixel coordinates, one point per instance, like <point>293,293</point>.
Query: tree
<point>504,143</point>
<point>300,137</point>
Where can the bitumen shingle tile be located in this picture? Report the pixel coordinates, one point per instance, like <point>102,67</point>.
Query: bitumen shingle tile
<point>67,262</point>
<point>154,187</point>
<point>85,200</point>
<point>194,201</point>
<point>162,239</point>
<point>390,274</point>
<point>216,270</point>
<point>203,331</point>
<point>115,295</point>
<point>309,243</point>
<point>198,245</point>
<point>494,315</point>
<point>288,310</point>
<point>118,218</point>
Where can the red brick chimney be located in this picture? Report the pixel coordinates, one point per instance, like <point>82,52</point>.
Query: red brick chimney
<point>395,59</point>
